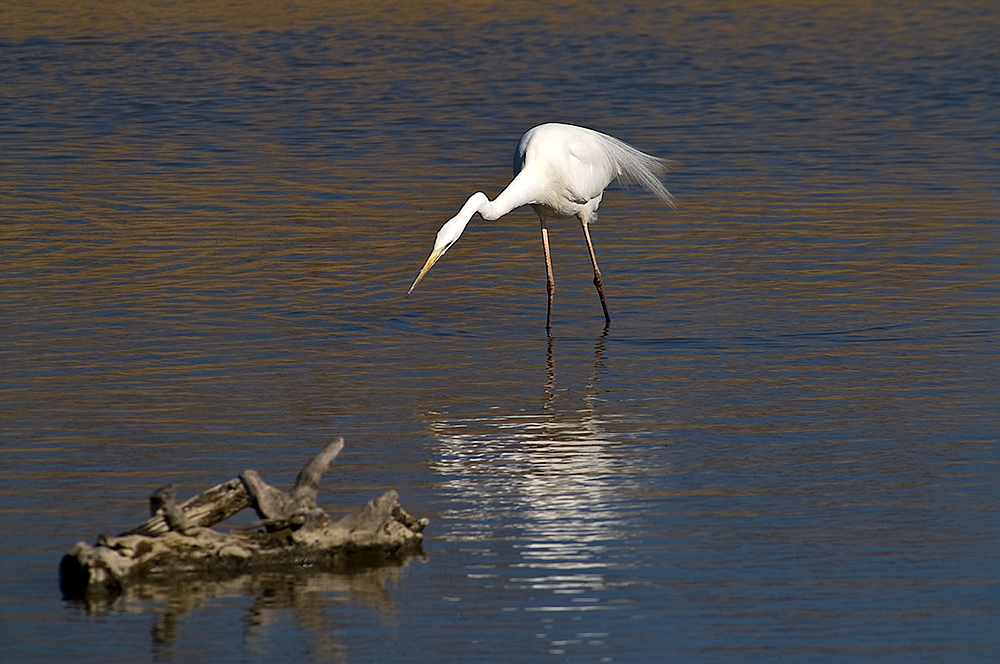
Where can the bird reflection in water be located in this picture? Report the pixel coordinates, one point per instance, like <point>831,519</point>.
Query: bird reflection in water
<point>550,484</point>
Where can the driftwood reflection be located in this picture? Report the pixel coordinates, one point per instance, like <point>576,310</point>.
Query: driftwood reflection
<point>302,561</point>
<point>310,596</point>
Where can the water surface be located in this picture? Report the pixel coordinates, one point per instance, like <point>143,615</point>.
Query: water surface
<point>784,448</point>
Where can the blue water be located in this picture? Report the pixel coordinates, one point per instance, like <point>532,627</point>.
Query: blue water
<point>784,448</point>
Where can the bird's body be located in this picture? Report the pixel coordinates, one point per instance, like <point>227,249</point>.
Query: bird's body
<point>560,171</point>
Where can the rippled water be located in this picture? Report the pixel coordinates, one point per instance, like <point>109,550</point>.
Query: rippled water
<point>784,448</point>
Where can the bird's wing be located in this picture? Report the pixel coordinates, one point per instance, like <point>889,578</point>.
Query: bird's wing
<point>586,170</point>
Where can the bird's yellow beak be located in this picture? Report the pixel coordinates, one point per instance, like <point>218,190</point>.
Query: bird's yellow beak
<point>433,258</point>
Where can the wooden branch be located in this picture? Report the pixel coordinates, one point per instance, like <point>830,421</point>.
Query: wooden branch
<point>177,541</point>
<point>307,482</point>
<point>206,509</point>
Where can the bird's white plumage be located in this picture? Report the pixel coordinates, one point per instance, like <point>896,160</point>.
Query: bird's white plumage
<point>576,164</point>
<point>560,170</point>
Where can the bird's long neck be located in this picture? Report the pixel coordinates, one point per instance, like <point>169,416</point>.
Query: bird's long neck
<point>519,192</point>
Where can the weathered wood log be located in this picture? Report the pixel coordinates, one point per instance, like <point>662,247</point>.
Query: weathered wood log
<point>178,543</point>
<point>206,509</point>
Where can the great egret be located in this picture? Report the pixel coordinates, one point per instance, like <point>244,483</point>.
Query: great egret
<point>560,170</point>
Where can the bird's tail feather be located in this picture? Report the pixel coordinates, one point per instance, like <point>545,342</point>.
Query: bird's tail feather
<point>635,167</point>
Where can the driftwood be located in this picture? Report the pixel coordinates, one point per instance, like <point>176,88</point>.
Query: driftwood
<point>177,540</point>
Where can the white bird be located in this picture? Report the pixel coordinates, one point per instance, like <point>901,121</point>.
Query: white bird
<point>560,171</point>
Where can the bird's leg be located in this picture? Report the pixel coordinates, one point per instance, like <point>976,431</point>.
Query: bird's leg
<point>597,271</point>
<point>550,281</point>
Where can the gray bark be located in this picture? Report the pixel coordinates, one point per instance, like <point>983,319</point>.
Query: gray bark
<point>177,541</point>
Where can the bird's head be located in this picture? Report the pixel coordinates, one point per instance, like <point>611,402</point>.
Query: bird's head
<point>449,233</point>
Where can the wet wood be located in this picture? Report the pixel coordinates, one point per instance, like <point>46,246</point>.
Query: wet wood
<point>177,540</point>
